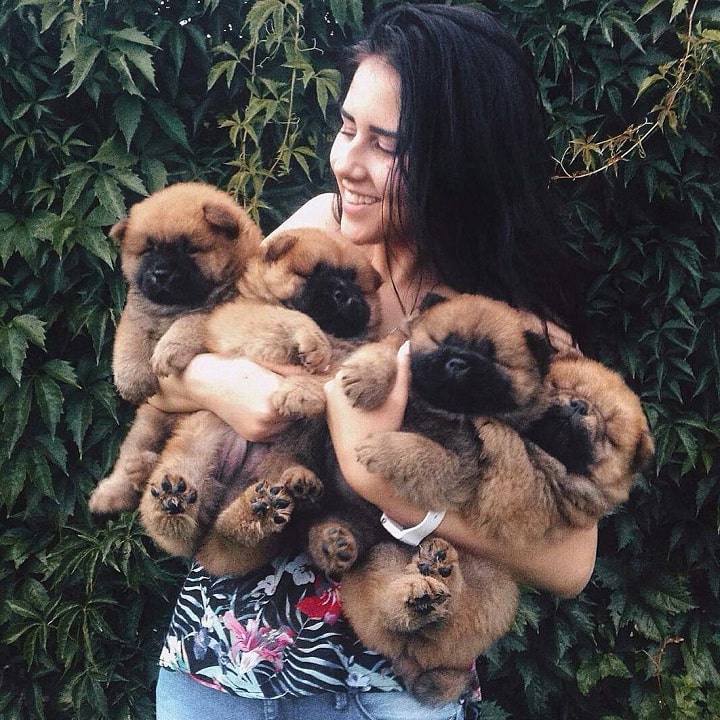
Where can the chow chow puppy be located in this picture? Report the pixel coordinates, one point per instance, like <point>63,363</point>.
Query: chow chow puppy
<point>431,610</point>
<point>182,250</point>
<point>470,354</point>
<point>231,524</point>
<point>572,465</point>
<point>573,461</point>
<point>568,467</point>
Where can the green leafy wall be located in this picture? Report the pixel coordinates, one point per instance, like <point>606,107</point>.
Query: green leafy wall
<point>102,102</point>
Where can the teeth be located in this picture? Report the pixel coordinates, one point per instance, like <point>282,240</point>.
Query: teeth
<point>356,199</point>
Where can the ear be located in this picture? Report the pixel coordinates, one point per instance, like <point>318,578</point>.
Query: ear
<point>644,452</point>
<point>220,220</point>
<point>276,246</point>
<point>541,349</point>
<point>117,231</point>
<point>431,299</point>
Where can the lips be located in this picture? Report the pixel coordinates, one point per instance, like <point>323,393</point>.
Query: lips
<point>353,198</point>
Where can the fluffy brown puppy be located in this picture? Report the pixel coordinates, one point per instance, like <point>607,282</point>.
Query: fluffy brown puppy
<point>438,613</point>
<point>182,250</point>
<point>323,279</point>
<point>431,610</point>
<point>572,465</point>
<point>302,281</point>
<point>568,467</point>
<point>470,355</point>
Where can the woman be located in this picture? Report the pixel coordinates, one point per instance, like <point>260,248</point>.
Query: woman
<point>441,172</point>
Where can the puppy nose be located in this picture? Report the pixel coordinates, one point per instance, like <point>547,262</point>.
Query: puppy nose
<point>343,296</point>
<point>578,407</point>
<point>456,365</point>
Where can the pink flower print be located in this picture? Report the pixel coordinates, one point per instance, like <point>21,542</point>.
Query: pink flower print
<point>324,604</point>
<point>254,643</point>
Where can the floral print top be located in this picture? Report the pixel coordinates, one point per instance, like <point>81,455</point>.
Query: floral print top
<point>277,631</point>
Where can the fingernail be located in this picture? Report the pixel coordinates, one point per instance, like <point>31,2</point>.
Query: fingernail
<point>404,348</point>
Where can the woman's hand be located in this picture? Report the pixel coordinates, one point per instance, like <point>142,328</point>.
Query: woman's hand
<point>237,390</point>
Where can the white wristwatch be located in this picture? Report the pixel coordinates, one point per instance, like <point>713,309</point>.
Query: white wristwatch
<point>416,534</point>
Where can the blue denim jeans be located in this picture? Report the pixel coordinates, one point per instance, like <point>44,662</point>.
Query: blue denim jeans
<point>179,697</point>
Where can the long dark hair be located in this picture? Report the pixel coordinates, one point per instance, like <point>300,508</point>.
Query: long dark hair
<point>475,164</point>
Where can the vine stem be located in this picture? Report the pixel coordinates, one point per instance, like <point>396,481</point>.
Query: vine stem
<point>291,102</point>
<point>630,134</point>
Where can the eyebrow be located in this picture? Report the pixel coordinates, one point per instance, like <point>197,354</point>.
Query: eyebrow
<point>375,128</point>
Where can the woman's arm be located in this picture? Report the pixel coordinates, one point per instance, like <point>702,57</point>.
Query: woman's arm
<point>237,390</point>
<point>562,567</point>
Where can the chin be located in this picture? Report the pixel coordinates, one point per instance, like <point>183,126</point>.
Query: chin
<point>360,233</point>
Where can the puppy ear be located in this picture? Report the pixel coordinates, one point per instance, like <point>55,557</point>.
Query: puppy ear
<point>541,349</point>
<point>644,452</point>
<point>431,299</point>
<point>276,246</point>
<point>220,220</point>
<point>117,231</point>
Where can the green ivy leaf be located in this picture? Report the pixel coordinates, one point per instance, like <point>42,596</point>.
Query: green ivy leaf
<point>128,112</point>
<point>61,370</point>
<point>169,122</point>
<point>49,400</point>
<point>602,666</point>
<point>107,191</point>
<point>84,55</point>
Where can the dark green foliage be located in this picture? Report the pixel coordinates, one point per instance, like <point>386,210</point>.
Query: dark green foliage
<point>101,102</point>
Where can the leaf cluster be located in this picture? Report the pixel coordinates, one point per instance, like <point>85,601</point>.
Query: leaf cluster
<point>100,104</point>
<point>643,639</point>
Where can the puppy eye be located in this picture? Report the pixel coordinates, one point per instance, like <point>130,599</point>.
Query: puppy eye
<point>150,245</point>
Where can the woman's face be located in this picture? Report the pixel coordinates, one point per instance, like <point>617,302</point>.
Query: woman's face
<point>363,153</point>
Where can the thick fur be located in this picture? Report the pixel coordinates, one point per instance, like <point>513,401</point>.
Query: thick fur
<point>182,251</point>
<point>485,362</point>
<point>431,610</point>
<point>442,609</point>
<point>308,298</point>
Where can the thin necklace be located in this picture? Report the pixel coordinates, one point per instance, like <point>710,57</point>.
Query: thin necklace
<point>407,313</point>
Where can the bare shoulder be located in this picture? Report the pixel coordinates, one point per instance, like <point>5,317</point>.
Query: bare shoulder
<point>316,212</point>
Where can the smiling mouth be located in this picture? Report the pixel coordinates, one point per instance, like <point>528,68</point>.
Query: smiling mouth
<point>356,199</point>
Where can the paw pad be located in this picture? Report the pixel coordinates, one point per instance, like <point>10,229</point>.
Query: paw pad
<point>173,495</point>
<point>436,557</point>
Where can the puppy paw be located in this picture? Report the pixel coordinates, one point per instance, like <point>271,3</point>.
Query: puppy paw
<point>299,396</point>
<point>435,557</point>
<point>138,468</point>
<point>113,494</point>
<point>173,496</point>
<point>313,349</point>
<point>272,506</point>
<point>333,548</point>
<point>302,483</point>
<point>171,358</point>
<point>425,601</point>
<point>387,454</point>
<point>368,375</point>
<point>419,469</point>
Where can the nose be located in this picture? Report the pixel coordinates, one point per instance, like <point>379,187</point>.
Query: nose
<point>347,158</point>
